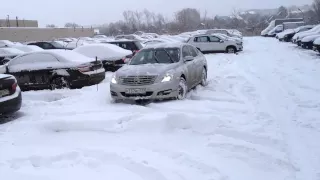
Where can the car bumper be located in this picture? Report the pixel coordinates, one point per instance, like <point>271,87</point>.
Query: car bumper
<point>155,91</point>
<point>89,79</point>
<point>12,103</point>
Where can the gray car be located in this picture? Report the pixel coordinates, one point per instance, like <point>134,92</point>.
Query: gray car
<point>160,71</point>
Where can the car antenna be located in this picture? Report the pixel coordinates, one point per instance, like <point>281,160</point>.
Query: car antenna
<point>96,72</point>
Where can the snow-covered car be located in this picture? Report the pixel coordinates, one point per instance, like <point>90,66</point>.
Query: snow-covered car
<point>113,57</point>
<point>232,38</point>
<point>100,36</point>
<point>131,45</point>
<point>275,31</point>
<point>6,54</point>
<point>307,42</point>
<point>288,34</point>
<point>129,37</point>
<point>215,43</point>
<point>161,71</point>
<point>223,31</point>
<point>10,94</point>
<point>53,69</point>
<point>155,41</point>
<point>64,39</point>
<point>6,43</point>
<point>297,37</point>
<point>28,48</point>
<point>49,44</point>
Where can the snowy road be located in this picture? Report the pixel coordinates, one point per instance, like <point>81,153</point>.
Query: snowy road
<point>259,118</point>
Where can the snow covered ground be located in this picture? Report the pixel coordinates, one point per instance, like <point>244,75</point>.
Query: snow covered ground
<point>259,118</point>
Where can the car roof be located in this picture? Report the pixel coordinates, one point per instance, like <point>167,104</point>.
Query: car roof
<point>123,40</point>
<point>166,45</point>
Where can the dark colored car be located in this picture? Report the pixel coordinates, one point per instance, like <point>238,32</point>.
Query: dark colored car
<point>55,69</point>
<point>48,44</point>
<point>132,45</point>
<point>10,94</point>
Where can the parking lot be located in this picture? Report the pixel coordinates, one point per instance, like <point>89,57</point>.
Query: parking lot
<point>257,117</point>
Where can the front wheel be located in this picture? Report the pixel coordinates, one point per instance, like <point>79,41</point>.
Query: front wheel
<point>231,50</point>
<point>59,83</point>
<point>182,89</point>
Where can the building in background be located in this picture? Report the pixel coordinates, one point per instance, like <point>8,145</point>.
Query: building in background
<point>18,23</point>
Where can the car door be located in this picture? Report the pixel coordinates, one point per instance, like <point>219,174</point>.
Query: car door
<point>18,67</point>
<point>198,64</point>
<point>202,43</point>
<point>217,44</point>
<point>191,74</point>
<point>46,65</point>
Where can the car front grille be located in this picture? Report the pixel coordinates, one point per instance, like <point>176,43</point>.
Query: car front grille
<point>137,80</point>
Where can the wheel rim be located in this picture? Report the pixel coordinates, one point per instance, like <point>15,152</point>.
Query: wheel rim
<point>230,50</point>
<point>182,90</point>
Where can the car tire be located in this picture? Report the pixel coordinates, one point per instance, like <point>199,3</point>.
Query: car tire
<point>231,50</point>
<point>59,83</point>
<point>182,89</point>
<point>204,77</point>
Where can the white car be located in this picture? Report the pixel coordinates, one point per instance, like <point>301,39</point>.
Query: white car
<point>297,37</point>
<point>215,43</point>
<point>307,42</point>
<point>28,48</point>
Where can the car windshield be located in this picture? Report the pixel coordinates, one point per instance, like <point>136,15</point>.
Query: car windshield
<point>57,44</point>
<point>155,56</point>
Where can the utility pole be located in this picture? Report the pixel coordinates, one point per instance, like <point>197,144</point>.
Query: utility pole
<point>17,21</point>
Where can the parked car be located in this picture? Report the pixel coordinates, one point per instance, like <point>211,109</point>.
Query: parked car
<point>289,33</point>
<point>316,45</point>
<point>275,31</point>
<point>113,57</point>
<point>52,69</point>
<point>297,37</point>
<point>6,43</point>
<point>6,54</point>
<point>28,48</point>
<point>48,44</point>
<point>131,45</point>
<point>224,31</point>
<point>129,37</point>
<point>155,41</point>
<point>215,43</point>
<point>162,71</point>
<point>307,42</point>
<point>277,22</point>
<point>10,94</point>
<point>232,38</point>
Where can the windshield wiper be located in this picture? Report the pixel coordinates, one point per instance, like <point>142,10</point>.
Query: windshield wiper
<point>169,56</point>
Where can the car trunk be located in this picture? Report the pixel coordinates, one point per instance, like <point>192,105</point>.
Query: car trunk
<point>95,65</point>
<point>7,86</point>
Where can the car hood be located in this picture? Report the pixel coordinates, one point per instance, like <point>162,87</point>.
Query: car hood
<point>310,38</point>
<point>284,33</point>
<point>145,69</point>
<point>307,34</point>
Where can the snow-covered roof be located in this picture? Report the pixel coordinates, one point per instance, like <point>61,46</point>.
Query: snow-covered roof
<point>68,55</point>
<point>165,45</point>
<point>103,51</point>
<point>28,48</point>
<point>310,38</point>
<point>10,52</point>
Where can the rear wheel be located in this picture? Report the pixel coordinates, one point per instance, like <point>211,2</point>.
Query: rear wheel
<point>182,89</point>
<point>231,50</point>
<point>59,83</point>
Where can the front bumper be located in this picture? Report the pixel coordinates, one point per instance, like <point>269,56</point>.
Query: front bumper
<point>157,91</point>
<point>12,103</point>
<point>307,45</point>
<point>89,79</point>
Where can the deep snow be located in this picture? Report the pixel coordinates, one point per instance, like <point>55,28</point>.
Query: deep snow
<point>257,119</point>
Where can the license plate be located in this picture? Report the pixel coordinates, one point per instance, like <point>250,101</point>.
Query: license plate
<point>4,92</point>
<point>136,91</point>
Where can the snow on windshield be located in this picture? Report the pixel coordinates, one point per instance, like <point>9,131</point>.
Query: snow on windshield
<point>153,56</point>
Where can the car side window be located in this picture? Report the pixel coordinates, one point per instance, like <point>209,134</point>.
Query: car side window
<point>186,51</point>
<point>47,46</point>
<point>214,39</point>
<point>201,39</point>
<point>193,51</point>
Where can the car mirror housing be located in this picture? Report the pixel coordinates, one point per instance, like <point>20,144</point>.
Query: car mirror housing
<point>188,58</point>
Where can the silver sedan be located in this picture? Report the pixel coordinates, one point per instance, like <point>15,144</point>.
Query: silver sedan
<point>161,71</point>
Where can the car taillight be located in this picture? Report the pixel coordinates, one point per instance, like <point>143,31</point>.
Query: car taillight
<point>14,86</point>
<point>84,68</point>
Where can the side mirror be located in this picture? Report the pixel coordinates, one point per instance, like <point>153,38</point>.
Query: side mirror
<point>188,58</point>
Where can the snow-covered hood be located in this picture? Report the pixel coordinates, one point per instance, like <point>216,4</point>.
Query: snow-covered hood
<point>310,38</point>
<point>317,41</point>
<point>301,36</point>
<point>286,32</point>
<point>145,69</point>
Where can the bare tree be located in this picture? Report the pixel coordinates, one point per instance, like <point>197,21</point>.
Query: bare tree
<point>71,25</point>
<point>51,26</point>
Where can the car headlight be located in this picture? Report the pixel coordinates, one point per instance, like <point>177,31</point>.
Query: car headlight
<point>167,78</point>
<point>114,80</point>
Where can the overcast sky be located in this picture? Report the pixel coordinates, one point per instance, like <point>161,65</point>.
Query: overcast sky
<point>86,12</point>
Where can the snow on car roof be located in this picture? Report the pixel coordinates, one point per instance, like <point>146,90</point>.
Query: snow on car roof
<point>69,55</point>
<point>102,51</point>
<point>310,38</point>
<point>10,51</point>
<point>28,48</point>
<point>165,45</point>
